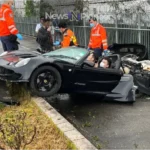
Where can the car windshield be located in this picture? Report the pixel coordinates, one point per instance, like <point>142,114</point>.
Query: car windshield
<point>70,54</point>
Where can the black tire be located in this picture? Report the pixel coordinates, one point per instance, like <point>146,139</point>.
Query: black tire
<point>50,72</point>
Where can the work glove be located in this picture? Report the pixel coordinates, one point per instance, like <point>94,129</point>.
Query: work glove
<point>56,43</point>
<point>106,53</point>
<point>19,36</point>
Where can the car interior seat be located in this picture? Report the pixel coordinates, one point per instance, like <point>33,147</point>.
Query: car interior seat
<point>115,61</point>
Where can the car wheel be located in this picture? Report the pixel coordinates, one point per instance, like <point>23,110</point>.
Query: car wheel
<point>45,81</point>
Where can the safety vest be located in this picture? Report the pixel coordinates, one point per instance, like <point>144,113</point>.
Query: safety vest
<point>7,24</point>
<point>69,39</point>
<point>98,38</point>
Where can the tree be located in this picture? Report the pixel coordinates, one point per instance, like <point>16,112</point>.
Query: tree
<point>127,10</point>
<point>30,9</point>
<point>45,7</point>
<point>79,5</point>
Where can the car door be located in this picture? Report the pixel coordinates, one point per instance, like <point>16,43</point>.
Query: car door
<point>95,80</point>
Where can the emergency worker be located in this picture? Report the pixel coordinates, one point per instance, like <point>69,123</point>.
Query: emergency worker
<point>69,38</point>
<point>98,38</point>
<point>8,30</point>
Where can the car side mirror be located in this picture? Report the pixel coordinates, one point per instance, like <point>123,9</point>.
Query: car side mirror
<point>88,64</point>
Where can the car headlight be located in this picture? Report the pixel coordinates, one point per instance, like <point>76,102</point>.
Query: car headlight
<point>23,62</point>
<point>3,54</point>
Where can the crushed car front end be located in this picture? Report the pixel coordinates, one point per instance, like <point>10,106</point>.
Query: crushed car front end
<point>140,71</point>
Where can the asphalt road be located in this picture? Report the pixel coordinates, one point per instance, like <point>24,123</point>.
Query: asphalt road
<point>108,125</point>
<point>28,43</point>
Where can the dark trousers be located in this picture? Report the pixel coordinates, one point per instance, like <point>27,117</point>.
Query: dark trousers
<point>97,53</point>
<point>7,44</point>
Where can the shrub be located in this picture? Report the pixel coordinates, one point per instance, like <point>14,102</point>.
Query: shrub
<point>15,131</point>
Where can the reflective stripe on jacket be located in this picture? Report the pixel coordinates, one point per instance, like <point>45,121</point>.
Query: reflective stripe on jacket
<point>7,24</point>
<point>98,37</point>
<point>69,39</point>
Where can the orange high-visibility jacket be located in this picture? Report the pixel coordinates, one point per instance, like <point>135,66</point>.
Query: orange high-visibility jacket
<point>68,38</point>
<point>7,24</point>
<point>98,38</point>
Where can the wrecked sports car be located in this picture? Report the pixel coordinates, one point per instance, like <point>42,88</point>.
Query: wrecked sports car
<point>135,62</point>
<point>67,71</point>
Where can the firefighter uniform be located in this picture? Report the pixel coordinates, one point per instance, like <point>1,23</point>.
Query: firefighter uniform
<point>69,39</point>
<point>98,40</point>
<point>7,28</point>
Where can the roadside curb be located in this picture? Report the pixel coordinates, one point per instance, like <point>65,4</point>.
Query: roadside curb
<point>64,126</point>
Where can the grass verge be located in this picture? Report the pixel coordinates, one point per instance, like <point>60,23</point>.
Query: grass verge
<point>47,135</point>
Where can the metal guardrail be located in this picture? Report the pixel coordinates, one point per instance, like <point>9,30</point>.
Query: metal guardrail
<point>117,33</point>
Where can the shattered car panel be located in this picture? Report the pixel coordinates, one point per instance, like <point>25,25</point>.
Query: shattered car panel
<point>140,71</point>
<point>125,49</point>
<point>134,59</point>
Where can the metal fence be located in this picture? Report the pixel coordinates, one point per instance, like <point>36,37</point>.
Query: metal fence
<point>131,30</point>
<point>116,35</point>
<point>27,25</point>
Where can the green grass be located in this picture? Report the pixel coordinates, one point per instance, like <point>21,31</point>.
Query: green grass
<point>2,106</point>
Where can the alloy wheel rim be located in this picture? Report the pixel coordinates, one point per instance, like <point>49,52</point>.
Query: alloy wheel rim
<point>45,81</point>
